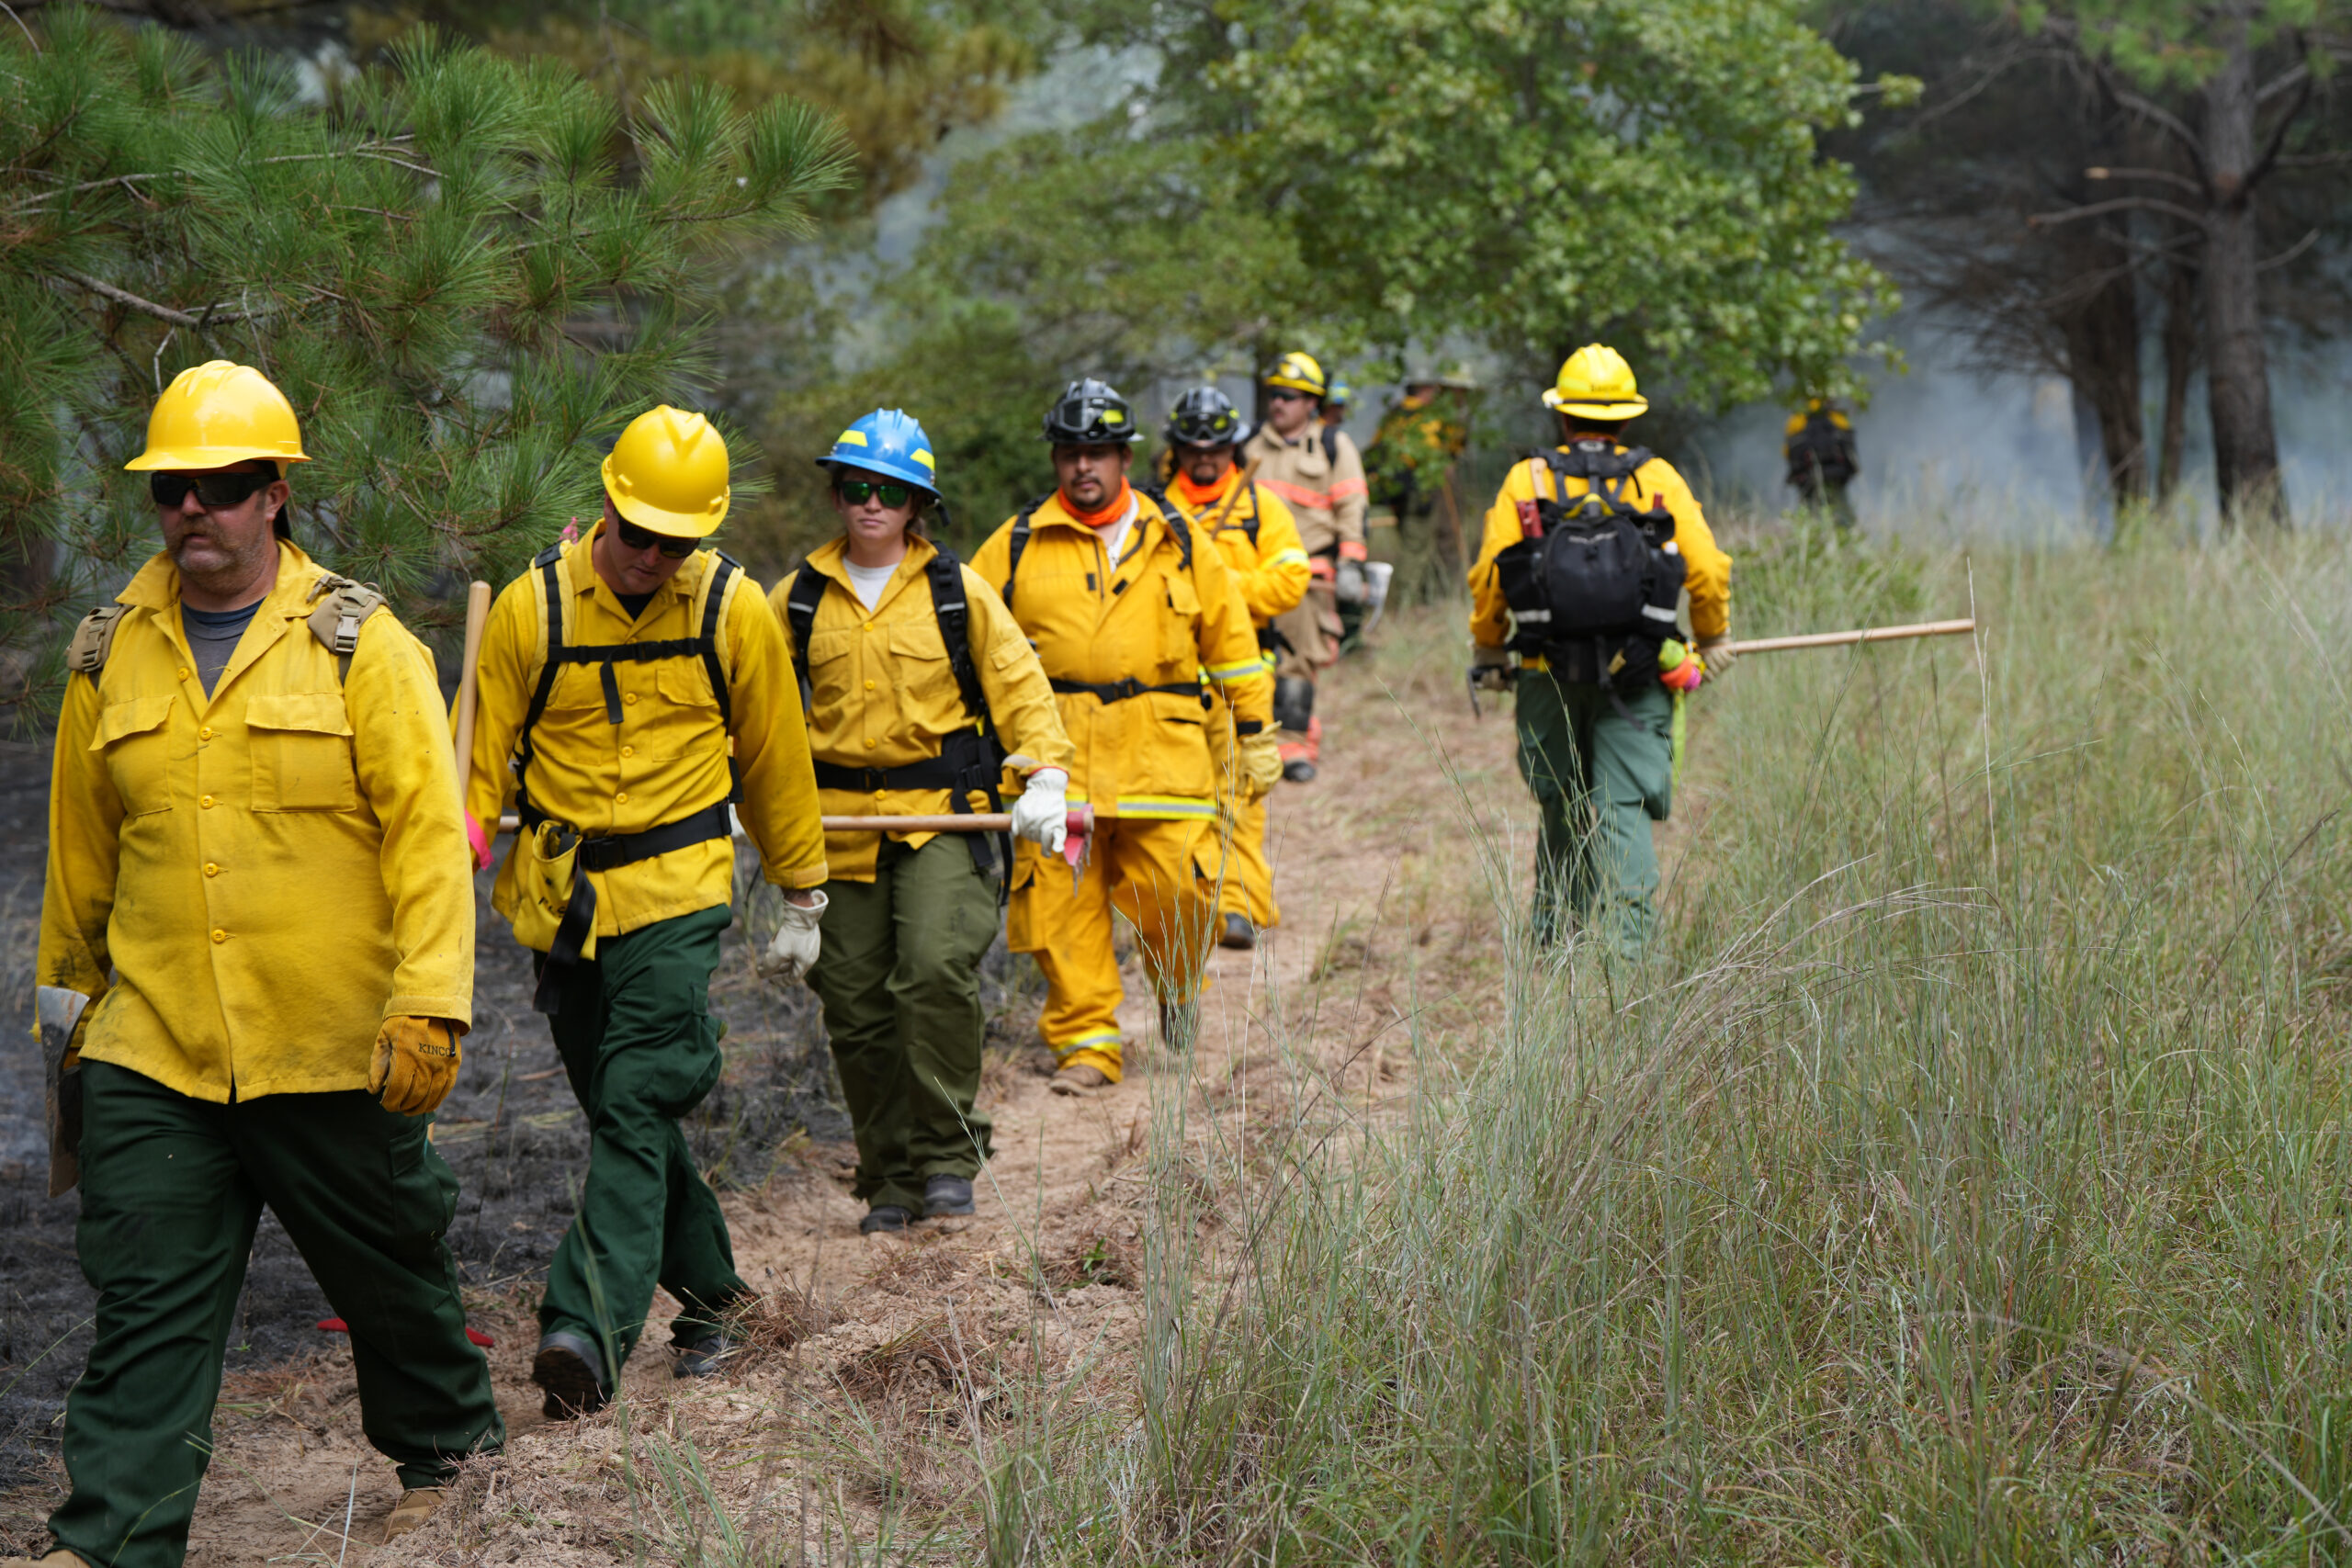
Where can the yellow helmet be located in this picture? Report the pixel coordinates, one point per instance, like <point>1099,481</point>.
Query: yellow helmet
<point>217,414</point>
<point>1299,373</point>
<point>668,473</point>
<point>1596,382</point>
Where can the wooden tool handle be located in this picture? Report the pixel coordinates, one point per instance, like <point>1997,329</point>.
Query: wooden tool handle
<point>1839,639</point>
<point>469,672</point>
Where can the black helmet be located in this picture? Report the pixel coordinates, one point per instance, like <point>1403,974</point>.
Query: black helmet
<point>1204,417</point>
<point>1091,413</point>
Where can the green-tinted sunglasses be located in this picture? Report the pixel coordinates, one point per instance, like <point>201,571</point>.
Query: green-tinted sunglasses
<point>857,492</point>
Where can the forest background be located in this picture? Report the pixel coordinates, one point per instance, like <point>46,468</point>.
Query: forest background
<point>477,237</point>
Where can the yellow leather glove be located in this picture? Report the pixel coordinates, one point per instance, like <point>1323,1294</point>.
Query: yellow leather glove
<point>415,1065</point>
<point>1261,764</point>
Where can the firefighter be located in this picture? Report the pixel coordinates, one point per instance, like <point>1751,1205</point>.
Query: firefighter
<point>1409,465</point>
<point>1595,710</point>
<point>1818,447</point>
<point>256,965</point>
<point>1254,529</point>
<point>1130,611</point>
<point>1317,470</point>
<point>914,675</point>
<point>632,685</point>
<point>1337,399</point>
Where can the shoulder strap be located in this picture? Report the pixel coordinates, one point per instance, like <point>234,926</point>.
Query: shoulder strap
<point>1019,543</point>
<point>1331,444</point>
<point>343,607</point>
<point>1175,521</point>
<point>548,564</point>
<point>713,606</point>
<point>1250,525</point>
<point>86,652</point>
<point>800,616</point>
<point>954,613</point>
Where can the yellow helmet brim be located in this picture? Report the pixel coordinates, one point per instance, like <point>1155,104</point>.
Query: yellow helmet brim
<point>1292,383</point>
<point>201,457</point>
<point>658,520</point>
<point>1626,410</point>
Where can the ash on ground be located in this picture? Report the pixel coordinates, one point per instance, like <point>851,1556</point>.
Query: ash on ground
<point>510,1130</point>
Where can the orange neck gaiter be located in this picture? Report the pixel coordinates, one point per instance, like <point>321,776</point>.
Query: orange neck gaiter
<point>1109,511</point>
<point>1197,496</point>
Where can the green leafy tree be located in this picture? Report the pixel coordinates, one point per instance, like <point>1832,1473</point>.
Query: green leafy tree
<point>1540,172</point>
<point>466,272</point>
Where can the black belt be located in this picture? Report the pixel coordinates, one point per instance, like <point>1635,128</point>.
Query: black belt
<point>1120,690</point>
<point>934,772</point>
<point>608,853</point>
<point>966,762</point>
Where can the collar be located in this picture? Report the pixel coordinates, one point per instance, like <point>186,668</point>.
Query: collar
<point>156,585</point>
<point>831,561</point>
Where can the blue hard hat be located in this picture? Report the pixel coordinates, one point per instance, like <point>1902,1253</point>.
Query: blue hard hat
<point>889,443</point>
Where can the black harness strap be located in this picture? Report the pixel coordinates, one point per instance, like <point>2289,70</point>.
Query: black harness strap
<point>1120,690</point>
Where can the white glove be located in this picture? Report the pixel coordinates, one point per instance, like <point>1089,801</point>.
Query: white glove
<point>793,951</point>
<point>1349,587</point>
<point>1042,815</point>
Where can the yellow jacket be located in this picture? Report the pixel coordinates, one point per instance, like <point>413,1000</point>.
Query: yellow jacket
<point>1327,493</point>
<point>1259,541</point>
<point>270,872</point>
<point>1150,621</point>
<point>1707,571</point>
<point>667,757</point>
<point>882,696</point>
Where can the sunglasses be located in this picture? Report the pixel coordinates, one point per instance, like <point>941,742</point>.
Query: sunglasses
<point>857,492</point>
<point>636,539</point>
<point>1283,395</point>
<point>212,490</point>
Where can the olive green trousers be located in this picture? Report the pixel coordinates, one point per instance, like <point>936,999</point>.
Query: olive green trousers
<point>1600,778</point>
<point>172,1188</point>
<point>899,979</point>
<point>634,1028</point>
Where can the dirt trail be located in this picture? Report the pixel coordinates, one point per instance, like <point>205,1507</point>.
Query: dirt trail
<point>1386,929</point>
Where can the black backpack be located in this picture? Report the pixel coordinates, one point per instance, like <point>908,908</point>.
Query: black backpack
<point>1821,451</point>
<point>1594,581</point>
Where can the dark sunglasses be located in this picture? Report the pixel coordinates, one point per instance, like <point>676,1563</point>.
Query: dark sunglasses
<point>857,492</point>
<point>1283,395</point>
<point>636,539</point>
<point>213,490</point>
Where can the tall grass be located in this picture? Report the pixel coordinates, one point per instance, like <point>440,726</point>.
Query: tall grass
<point>1963,1179</point>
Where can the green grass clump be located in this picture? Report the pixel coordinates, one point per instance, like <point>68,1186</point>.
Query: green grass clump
<point>1963,1181</point>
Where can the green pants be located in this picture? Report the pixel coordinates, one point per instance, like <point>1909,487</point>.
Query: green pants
<point>171,1190</point>
<point>1600,781</point>
<point>900,979</point>
<point>633,1026</point>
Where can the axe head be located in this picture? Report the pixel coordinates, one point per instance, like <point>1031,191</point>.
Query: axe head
<point>1077,840</point>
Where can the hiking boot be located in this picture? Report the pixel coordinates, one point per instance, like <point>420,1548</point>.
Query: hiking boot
<point>1239,934</point>
<point>944,1196</point>
<point>704,1358</point>
<point>572,1370</point>
<point>1079,1078</point>
<point>1298,770</point>
<point>57,1558</point>
<point>885,1217</point>
<point>415,1507</point>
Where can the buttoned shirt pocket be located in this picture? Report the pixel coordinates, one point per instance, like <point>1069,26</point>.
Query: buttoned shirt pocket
<point>832,672</point>
<point>138,751</point>
<point>919,655</point>
<point>1180,630</point>
<point>688,718</point>
<point>302,751</point>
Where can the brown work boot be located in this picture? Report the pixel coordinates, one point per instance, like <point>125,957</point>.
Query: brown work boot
<point>1079,1078</point>
<point>1239,934</point>
<point>58,1557</point>
<point>415,1507</point>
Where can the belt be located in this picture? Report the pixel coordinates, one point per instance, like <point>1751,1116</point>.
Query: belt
<point>932,773</point>
<point>966,762</point>
<point>608,853</point>
<point>1120,690</point>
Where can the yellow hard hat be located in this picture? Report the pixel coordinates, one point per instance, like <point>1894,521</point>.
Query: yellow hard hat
<point>1299,373</point>
<point>217,414</point>
<point>1596,382</point>
<point>668,473</point>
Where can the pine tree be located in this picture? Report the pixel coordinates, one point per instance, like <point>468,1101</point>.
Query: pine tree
<point>465,272</point>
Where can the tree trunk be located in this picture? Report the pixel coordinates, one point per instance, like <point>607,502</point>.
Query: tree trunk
<point>2102,339</point>
<point>2180,363</point>
<point>2238,370</point>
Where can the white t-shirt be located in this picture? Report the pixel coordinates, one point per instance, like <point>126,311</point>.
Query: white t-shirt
<point>1114,534</point>
<point>867,582</point>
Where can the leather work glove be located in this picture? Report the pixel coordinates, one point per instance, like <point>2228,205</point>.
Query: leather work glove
<point>1490,668</point>
<point>1261,764</point>
<point>415,1065</point>
<point>1349,587</point>
<point>793,951</point>
<point>1717,655</point>
<point>1042,814</point>
<point>479,838</point>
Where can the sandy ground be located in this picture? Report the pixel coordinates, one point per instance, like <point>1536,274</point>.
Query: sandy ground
<point>867,1344</point>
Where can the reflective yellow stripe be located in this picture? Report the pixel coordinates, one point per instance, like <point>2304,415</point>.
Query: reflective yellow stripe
<point>1235,672</point>
<point>1165,807</point>
<point>1092,1039</point>
<point>1283,557</point>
